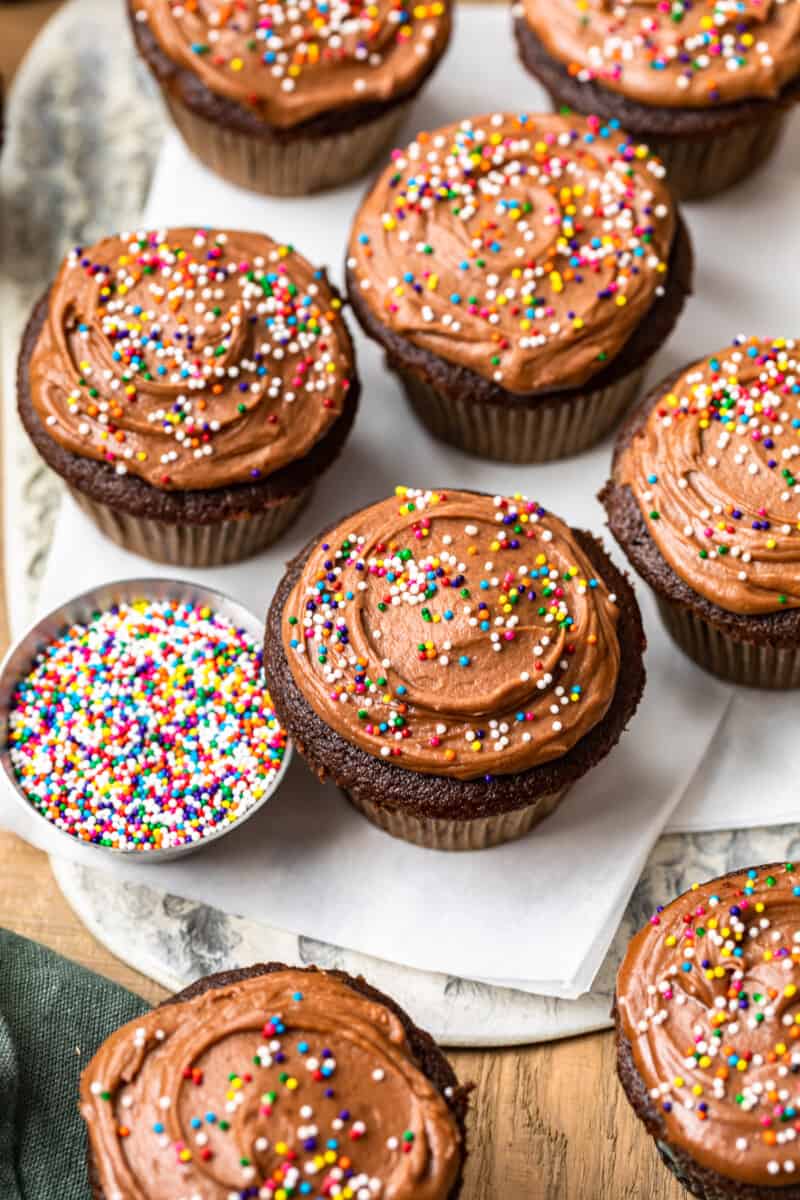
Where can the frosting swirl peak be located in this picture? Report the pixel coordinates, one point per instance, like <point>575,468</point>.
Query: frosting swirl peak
<point>715,470</point>
<point>708,998</point>
<point>191,358</point>
<point>291,62</point>
<point>454,634</point>
<point>686,54</point>
<point>285,1083</point>
<point>525,248</point>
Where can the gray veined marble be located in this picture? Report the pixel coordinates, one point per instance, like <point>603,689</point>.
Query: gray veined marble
<point>83,133</point>
<point>175,941</point>
<point>83,129</point>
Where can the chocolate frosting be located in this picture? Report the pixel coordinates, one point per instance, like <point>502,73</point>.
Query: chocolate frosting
<point>526,248</point>
<point>285,1078</point>
<point>192,359</point>
<point>712,469</point>
<point>685,54</point>
<point>290,63</point>
<point>707,997</point>
<point>454,634</point>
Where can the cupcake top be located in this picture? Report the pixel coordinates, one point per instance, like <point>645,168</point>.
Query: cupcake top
<point>290,63</point>
<point>687,54</point>
<point>191,358</point>
<point>526,248</point>
<point>283,1083</point>
<point>708,997</point>
<point>712,468</point>
<point>454,633</point>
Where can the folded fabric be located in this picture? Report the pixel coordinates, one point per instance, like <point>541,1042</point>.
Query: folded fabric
<point>53,1016</point>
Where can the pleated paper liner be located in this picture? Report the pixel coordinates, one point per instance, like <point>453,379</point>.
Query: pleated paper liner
<point>698,168</point>
<point>295,167</point>
<point>518,434</point>
<point>436,833</point>
<point>749,663</point>
<point>213,545</point>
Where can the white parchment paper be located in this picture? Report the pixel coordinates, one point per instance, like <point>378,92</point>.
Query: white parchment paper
<point>539,913</point>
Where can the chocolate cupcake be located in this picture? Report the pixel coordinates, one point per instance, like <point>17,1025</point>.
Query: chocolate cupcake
<point>274,1081</point>
<point>189,387</point>
<point>286,100</point>
<point>519,271</point>
<point>706,84</point>
<point>708,1021</point>
<point>705,503</point>
<point>454,662</point>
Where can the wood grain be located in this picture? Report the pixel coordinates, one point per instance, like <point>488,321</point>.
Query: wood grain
<point>19,24</point>
<point>548,1123</point>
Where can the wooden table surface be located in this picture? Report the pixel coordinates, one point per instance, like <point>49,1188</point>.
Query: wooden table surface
<point>548,1123</point>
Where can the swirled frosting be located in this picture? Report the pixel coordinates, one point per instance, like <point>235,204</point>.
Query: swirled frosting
<point>715,469</point>
<point>708,997</point>
<point>454,633</point>
<point>686,53</point>
<point>191,358</point>
<point>526,248</point>
<point>290,62</point>
<point>284,1084</point>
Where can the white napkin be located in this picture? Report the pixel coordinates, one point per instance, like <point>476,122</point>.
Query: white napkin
<point>749,776</point>
<point>539,913</point>
<point>746,280</point>
<point>309,863</point>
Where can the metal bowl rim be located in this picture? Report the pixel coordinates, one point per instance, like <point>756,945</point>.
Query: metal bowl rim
<point>39,634</point>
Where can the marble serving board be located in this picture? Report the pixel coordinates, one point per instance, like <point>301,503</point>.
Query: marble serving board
<point>175,941</point>
<point>84,129</point>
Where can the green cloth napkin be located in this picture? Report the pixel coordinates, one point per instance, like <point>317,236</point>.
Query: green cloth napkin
<point>53,1016</point>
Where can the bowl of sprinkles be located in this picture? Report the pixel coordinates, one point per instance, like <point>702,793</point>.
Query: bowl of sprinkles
<point>135,718</point>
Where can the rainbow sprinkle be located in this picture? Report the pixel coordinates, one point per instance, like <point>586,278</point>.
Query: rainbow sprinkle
<point>147,728</point>
<point>709,50</point>
<point>511,589</point>
<point>508,240</point>
<point>259,1096</point>
<point>710,997</point>
<point>714,473</point>
<point>273,51</point>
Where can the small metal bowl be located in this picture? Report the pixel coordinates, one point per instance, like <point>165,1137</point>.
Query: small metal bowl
<point>20,659</point>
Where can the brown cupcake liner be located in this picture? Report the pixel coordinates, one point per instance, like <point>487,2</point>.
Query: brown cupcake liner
<point>749,663</point>
<point>698,168</point>
<point>478,833</point>
<point>214,545</point>
<point>515,434</point>
<point>294,167</point>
